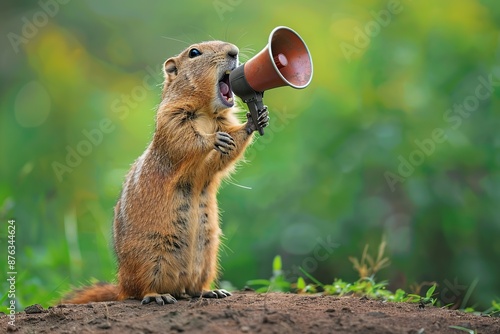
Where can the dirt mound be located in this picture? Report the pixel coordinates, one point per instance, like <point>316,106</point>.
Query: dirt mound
<point>248,312</point>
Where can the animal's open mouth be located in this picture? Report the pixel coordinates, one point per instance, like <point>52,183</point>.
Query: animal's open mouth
<point>225,93</point>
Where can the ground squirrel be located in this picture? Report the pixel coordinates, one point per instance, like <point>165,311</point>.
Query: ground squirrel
<point>166,230</point>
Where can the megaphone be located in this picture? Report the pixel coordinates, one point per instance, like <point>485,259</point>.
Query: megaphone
<point>285,61</point>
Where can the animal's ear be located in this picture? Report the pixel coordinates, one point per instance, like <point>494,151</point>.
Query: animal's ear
<point>170,71</point>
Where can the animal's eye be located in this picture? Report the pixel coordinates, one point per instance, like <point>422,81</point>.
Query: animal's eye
<point>194,53</point>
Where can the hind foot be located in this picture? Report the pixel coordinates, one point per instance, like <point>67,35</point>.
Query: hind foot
<point>218,293</point>
<point>159,299</point>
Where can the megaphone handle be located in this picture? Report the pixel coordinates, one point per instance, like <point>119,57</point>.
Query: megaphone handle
<point>256,106</point>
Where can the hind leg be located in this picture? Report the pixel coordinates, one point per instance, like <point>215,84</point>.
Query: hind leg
<point>202,289</point>
<point>146,285</point>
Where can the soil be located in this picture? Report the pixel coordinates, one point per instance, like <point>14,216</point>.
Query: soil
<point>248,312</point>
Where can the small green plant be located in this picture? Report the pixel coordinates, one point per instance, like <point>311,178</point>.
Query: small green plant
<point>302,287</point>
<point>494,310</point>
<point>428,296</point>
<point>365,286</point>
<point>277,283</point>
<point>416,288</point>
<point>367,266</point>
<point>362,287</point>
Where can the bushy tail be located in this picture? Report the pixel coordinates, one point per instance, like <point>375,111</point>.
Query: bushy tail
<point>99,292</point>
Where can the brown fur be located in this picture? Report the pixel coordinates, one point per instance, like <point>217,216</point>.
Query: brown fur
<point>166,229</point>
<point>97,292</point>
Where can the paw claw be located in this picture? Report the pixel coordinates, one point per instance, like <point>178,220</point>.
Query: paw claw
<point>159,299</point>
<point>209,294</point>
<point>262,120</point>
<point>224,143</point>
<point>218,293</point>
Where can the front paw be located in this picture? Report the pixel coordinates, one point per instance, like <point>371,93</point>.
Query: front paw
<point>224,143</point>
<point>262,121</point>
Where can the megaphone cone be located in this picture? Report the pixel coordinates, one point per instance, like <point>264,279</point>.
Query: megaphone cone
<point>285,61</point>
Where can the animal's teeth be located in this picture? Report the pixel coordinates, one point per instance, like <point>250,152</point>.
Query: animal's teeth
<point>230,99</point>
<point>227,72</point>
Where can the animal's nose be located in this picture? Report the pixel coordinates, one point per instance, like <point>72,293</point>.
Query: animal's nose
<point>232,51</point>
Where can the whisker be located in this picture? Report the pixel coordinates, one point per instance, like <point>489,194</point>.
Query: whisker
<point>176,40</point>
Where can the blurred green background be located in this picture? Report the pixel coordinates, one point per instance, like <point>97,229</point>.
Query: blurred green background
<point>397,136</point>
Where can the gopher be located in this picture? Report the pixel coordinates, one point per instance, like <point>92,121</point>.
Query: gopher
<point>166,224</point>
